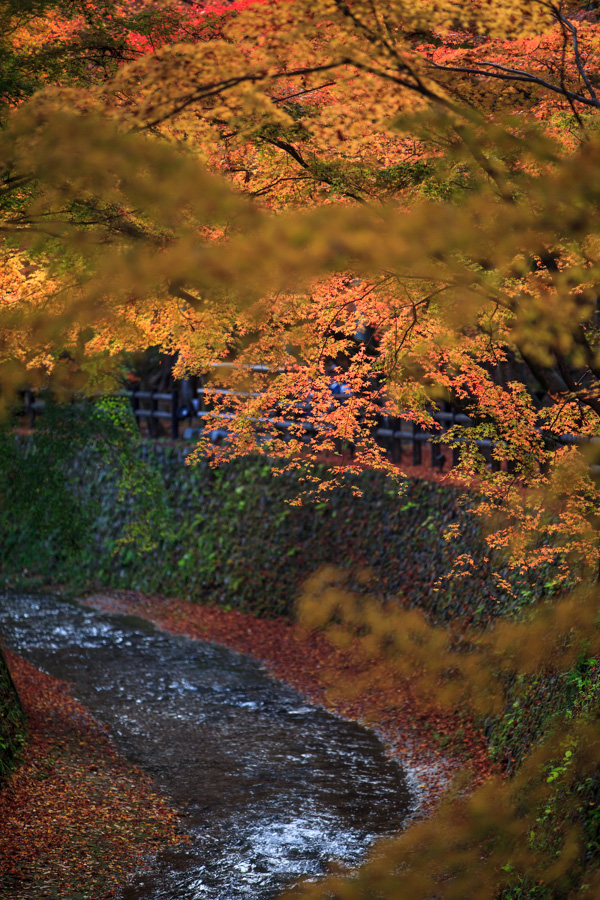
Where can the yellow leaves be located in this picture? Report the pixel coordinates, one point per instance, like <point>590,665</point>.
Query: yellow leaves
<point>502,18</point>
<point>398,17</point>
<point>476,843</point>
<point>29,302</point>
<point>179,76</point>
<point>482,252</point>
<point>79,158</point>
<point>33,34</point>
<point>88,179</point>
<point>456,668</point>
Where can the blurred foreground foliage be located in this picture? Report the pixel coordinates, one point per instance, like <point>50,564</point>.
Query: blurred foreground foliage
<point>525,662</point>
<point>264,183</point>
<point>533,678</point>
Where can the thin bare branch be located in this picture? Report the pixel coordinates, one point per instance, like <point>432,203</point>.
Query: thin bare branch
<point>319,87</point>
<point>505,73</point>
<point>574,36</point>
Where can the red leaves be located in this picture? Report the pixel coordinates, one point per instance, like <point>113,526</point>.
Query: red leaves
<point>76,818</point>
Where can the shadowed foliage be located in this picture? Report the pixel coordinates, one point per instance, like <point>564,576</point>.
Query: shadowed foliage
<point>12,727</point>
<point>402,195</point>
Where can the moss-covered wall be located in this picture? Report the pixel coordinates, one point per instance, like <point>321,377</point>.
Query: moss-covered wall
<point>229,537</point>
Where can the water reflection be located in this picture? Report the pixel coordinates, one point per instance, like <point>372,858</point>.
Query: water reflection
<point>270,788</point>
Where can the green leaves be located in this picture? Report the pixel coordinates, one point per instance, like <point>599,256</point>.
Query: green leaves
<point>13,728</point>
<point>50,504</point>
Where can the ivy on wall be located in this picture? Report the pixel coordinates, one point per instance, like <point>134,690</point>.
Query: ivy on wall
<point>85,501</point>
<point>12,721</point>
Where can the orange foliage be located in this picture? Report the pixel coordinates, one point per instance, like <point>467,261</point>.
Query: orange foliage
<point>399,195</point>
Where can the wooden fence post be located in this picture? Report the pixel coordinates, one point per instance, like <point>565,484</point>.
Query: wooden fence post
<point>396,425</point>
<point>29,407</point>
<point>174,413</point>
<point>455,449</point>
<point>152,420</point>
<point>437,457</point>
<point>417,455</point>
<point>135,405</point>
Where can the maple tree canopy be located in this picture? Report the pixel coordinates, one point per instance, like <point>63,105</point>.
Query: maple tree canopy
<point>399,195</point>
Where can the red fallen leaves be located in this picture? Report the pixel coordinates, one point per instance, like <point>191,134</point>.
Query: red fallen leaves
<point>435,745</point>
<point>76,819</point>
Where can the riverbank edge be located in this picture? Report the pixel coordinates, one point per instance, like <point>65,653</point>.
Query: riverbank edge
<point>302,661</point>
<point>78,818</point>
<point>307,662</point>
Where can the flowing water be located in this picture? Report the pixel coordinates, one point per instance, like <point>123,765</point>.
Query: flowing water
<point>270,789</point>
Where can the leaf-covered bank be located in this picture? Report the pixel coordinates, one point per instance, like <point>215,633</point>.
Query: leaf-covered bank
<point>76,819</point>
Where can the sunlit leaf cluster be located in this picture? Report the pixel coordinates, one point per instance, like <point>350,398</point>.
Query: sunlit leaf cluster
<point>399,196</point>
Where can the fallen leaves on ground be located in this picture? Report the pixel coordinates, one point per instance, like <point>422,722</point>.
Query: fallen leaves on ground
<point>432,745</point>
<point>77,820</point>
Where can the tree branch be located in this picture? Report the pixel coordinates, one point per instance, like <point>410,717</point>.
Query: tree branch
<point>505,73</point>
<point>567,24</point>
<point>587,399</point>
<point>297,156</point>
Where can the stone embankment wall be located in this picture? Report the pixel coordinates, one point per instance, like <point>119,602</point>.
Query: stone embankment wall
<point>229,536</point>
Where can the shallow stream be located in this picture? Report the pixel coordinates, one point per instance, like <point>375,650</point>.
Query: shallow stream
<point>270,788</point>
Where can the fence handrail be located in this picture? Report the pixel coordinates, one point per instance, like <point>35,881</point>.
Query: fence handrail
<point>417,436</point>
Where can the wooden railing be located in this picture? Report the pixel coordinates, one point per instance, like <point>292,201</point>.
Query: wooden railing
<point>394,434</point>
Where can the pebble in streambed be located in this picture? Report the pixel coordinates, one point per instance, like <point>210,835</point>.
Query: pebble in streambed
<point>270,789</point>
